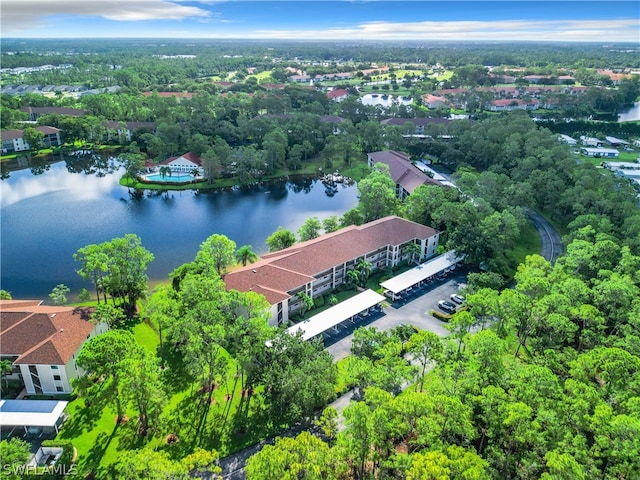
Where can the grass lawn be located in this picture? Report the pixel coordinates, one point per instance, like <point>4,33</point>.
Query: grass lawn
<point>623,157</point>
<point>229,425</point>
<point>262,76</point>
<point>529,243</point>
<point>147,336</point>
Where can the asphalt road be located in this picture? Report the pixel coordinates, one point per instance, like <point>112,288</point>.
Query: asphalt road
<point>552,246</point>
<point>414,309</point>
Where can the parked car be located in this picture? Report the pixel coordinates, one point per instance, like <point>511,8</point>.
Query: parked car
<point>459,299</point>
<point>447,306</point>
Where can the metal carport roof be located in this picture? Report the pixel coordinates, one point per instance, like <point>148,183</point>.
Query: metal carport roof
<point>31,413</point>
<point>337,314</point>
<point>421,272</point>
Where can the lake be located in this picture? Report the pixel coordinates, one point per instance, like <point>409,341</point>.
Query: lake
<point>384,99</point>
<point>630,114</point>
<point>46,218</point>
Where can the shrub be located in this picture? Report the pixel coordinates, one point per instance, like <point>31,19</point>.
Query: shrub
<point>441,316</point>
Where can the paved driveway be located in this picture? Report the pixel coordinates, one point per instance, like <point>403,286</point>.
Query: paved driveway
<point>415,310</point>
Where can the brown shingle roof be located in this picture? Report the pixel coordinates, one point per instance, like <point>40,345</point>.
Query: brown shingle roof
<point>280,272</point>
<point>42,335</point>
<point>11,134</point>
<point>402,171</point>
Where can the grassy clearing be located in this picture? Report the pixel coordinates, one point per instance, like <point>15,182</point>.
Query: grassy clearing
<point>597,161</point>
<point>233,420</point>
<point>528,243</point>
<point>262,77</point>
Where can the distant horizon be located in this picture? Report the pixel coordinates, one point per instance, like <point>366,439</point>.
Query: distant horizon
<point>585,21</point>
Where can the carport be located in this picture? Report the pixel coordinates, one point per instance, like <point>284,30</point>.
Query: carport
<point>425,271</point>
<point>337,314</point>
<point>32,415</point>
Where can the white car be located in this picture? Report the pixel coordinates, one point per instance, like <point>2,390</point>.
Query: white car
<point>459,299</point>
<point>447,306</point>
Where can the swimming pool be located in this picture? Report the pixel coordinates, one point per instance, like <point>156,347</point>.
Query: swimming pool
<point>156,177</point>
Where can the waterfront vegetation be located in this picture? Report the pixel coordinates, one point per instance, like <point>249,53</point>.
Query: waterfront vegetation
<point>540,380</point>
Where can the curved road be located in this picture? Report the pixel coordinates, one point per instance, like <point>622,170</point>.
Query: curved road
<point>551,247</point>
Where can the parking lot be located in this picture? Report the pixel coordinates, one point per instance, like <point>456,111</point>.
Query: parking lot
<point>414,309</point>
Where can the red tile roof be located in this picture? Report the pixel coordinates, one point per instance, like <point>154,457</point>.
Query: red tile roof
<point>280,272</point>
<point>42,335</point>
<point>337,93</point>
<point>428,98</point>
<point>192,157</point>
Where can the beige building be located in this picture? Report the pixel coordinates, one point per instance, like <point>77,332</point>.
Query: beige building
<point>43,343</point>
<point>320,265</point>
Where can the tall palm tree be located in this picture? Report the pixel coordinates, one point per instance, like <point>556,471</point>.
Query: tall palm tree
<point>352,277</point>
<point>164,171</point>
<point>364,268</point>
<point>245,254</point>
<point>6,368</point>
<point>413,250</point>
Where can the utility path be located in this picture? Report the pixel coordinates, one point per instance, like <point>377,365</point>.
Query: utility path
<point>552,246</point>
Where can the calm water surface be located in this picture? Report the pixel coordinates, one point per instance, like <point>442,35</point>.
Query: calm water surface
<point>631,114</point>
<point>46,218</point>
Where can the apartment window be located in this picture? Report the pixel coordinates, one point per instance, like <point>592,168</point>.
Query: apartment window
<point>54,367</point>
<point>59,389</point>
<point>56,377</point>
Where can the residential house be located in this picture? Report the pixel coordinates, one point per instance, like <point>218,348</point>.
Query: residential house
<point>600,152</point>
<point>433,101</point>
<point>505,105</point>
<point>125,130</point>
<point>300,78</point>
<point>184,163</point>
<point>629,170</point>
<point>406,176</point>
<point>37,112</point>
<point>616,78</point>
<point>13,140</point>
<point>318,266</point>
<point>590,141</point>
<point>616,142</point>
<point>502,78</point>
<point>577,90</point>
<point>43,343</point>
<point>337,95</point>
<point>418,123</point>
<point>567,139</point>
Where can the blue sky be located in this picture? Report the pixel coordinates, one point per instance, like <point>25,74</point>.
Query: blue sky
<point>567,21</point>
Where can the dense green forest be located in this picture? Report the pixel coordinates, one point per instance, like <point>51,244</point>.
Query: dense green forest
<point>537,381</point>
<point>218,55</point>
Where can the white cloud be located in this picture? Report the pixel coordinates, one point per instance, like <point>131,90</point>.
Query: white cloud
<point>22,15</point>
<point>621,30</point>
